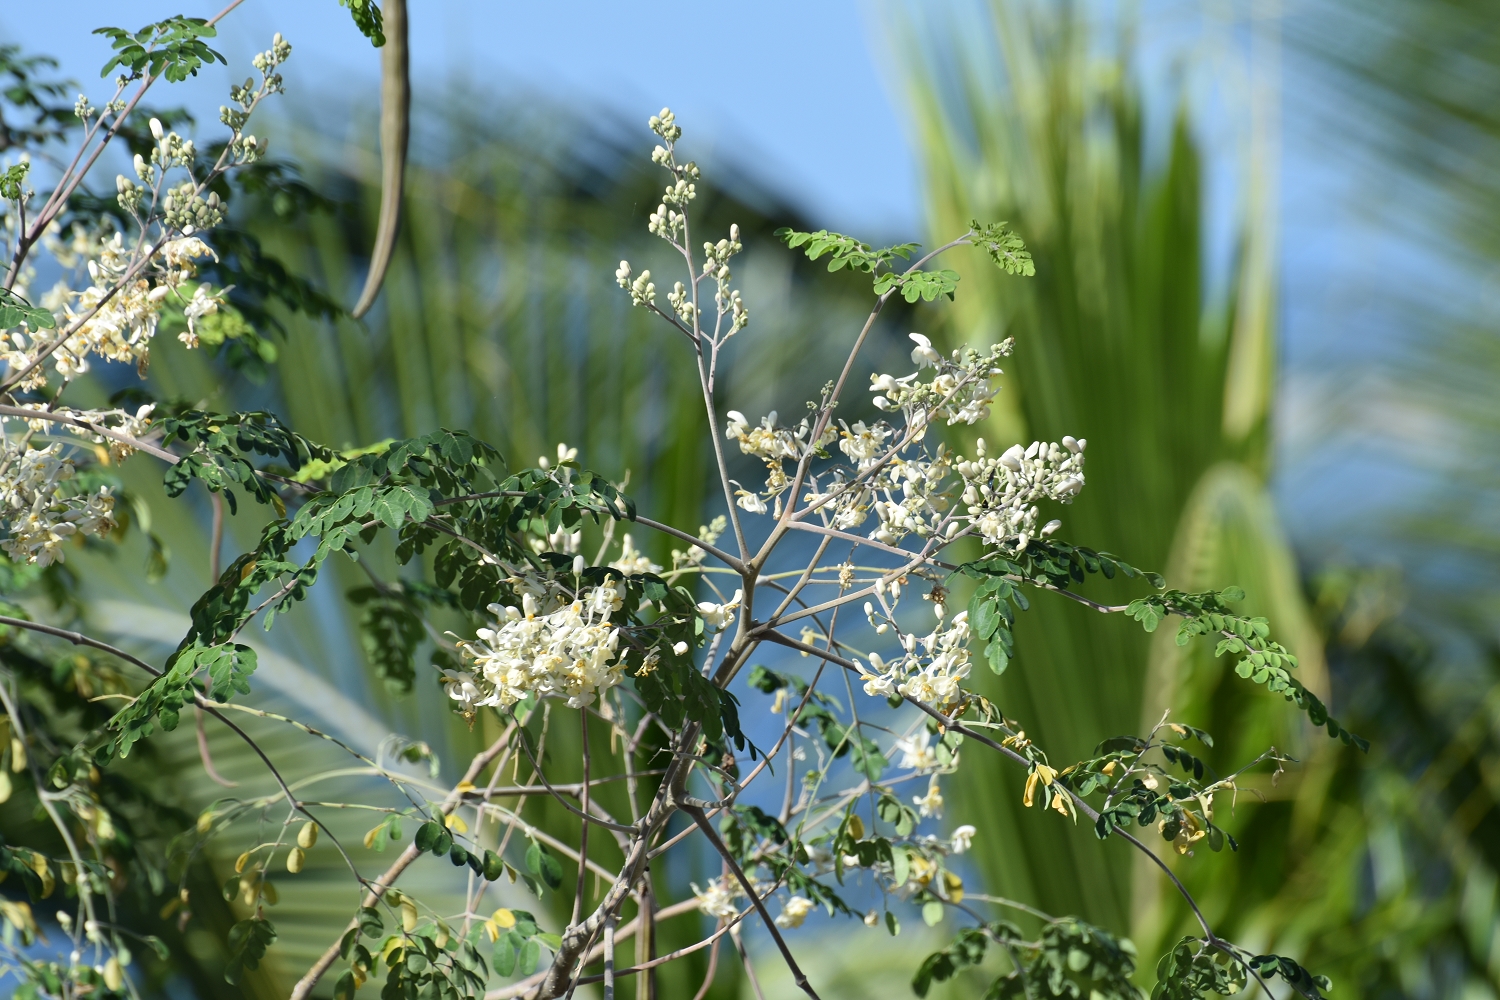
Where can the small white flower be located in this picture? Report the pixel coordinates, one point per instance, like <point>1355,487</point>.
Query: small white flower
<point>717,617</point>
<point>923,355</point>
<point>794,911</point>
<point>963,838</point>
<point>718,899</point>
<point>748,501</point>
<point>917,752</point>
<point>632,562</point>
<point>930,804</point>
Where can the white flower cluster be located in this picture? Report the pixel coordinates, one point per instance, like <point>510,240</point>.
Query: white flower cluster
<point>692,558</point>
<point>913,497</point>
<point>908,495</point>
<point>568,652</point>
<point>929,669</point>
<point>794,911</point>
<point>864,445</point>
<point>131,424</point>
<point>719,899</point>
<point>124,323</point>
<point>1001,493</point>
<point>38,519</point>
<point>773,445</point>
<point>669,221</point>
<point>632,561</point>
<point>961,389</point>
<point>716,265</point>
<point>642,289</point>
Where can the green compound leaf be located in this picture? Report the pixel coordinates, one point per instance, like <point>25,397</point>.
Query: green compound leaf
<point>926,285</point>
<point>248,942</point>
<point>173,48</point>
<point>844,251</point>
<point>15,310</point>
<point>368,19</point>
<point>1004,247</point>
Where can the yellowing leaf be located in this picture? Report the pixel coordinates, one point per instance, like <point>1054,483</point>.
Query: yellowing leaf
<point>18,915</point>
<point>953,886</point>
<point>504,918</point>
<point>456,822</point>
<point>37,862</point>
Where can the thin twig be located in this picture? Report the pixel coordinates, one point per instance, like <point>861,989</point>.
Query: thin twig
<point>696,815</point>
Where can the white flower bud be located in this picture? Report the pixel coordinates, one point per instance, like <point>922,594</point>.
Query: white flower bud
<point>734,232</point>
<point>156,130</point>
<point>679,649</point>
<point>577,565</point>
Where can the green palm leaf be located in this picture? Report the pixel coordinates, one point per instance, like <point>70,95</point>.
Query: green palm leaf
<point>1116,342</point>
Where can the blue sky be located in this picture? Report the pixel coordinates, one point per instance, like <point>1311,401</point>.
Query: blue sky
<point>791,87</point>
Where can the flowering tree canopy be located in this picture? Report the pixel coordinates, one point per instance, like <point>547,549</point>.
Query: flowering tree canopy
<point>563,613</point>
